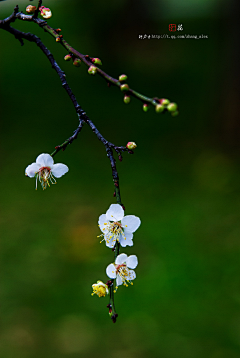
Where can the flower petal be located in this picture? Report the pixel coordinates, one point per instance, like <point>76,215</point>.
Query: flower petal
<point>132,261</point>
<point>131,275</point>
<point>121,259</point>
<point>110,242</point>
<point>125,239</point>
<point>101,221</point>
<point>119,280</point>
<point>32,169</point>
<point>111,271</point>
<point>131,223</point>
<point>45,160</point>
<point>59,170</point>
<point>115,212</point>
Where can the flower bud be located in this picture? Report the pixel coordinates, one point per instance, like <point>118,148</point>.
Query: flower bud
<point>126,99</point>
<point>159,108</point>
<point>30,9</point>
<point>174,114</point>
<point>145,107</point>
<point>172,107</point>
<point>122,78</point>
<point>58,39</point>
<point>77,62</point>
<point>67,57</point>
<point>46,13</point>
<point>164,101</point>
<point>92,70</point>
<point>97,61</point>
<point>124,87</point>
<point>131,145</point>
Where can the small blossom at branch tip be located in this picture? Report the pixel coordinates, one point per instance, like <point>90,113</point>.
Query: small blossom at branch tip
<point>67,57</point>
<point>100,289</point>
<point>174,114</point>
<point>92,70</point>
<point>145,107</point>
<point>126,99</point>
<point>172,107</point>
<point>45,12</point>
<point>124,87</point>
<point>97,61</point>
<point>116,227</point>
<point>45,170</point>
<point>131,145</point>
<point>30,9</point>
<point>164,101</point>
<point>77,62</point>
<point>159,108</point>
<point>122,269</point>
<point>122,78</point>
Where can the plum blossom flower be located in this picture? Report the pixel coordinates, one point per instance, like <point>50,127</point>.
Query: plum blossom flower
<point>117,227</point>
<point>45,170</point>
<point>120,270</point>
<point>100,289</point>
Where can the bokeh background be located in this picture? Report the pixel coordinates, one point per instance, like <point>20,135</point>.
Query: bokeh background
<point>183,181</point>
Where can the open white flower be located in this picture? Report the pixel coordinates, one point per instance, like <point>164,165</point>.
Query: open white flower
<point>120,270</point>
<point>117,227</point>
<point>45,170</point>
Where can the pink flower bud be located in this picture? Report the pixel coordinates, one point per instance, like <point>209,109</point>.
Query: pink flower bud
<point>124,87</point>
<point>159,108</point>
<point>30,9</point>
<point>122,78</point>
<point>92,70</point>
<point>127,99</point>
<point>46,13</point>
<point>97,61</point>
<point>77,62</point>
<point>67,57</point>
<point>145,107</point>
<point>131,145</point>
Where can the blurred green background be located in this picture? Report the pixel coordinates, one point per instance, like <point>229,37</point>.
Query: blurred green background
<point>182,181</point>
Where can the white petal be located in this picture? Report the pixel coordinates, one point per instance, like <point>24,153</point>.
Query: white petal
<point>110,242</point>
<point>132,261</point>
<point>125,239</point>
<point>131,275</point>
<point>131,223</point>
<point>45,160</point>
<point>59,170</point>
<point>111,271</point>
<point>119,280</point>
<point>101,221</point>
<point>115,212</point>
<point>32,169</point>
<point>121,259</point>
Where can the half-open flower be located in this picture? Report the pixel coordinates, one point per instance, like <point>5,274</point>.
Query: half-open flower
<point>117,227</point>
<point>45,12</point>
<point>100,289</point>
<point>45,170</point>
<point>120,270</point>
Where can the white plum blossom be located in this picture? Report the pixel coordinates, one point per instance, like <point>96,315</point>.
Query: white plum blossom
<point>45,170</point>
<point>117,227</point>
<point>100,289</point>
<point>120,270</point>
<point>46,13</point>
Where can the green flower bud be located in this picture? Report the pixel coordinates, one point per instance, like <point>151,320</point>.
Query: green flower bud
<point>67,57</point>
<point>174,114</point>
<point>145,107</point>
<point>164,101</point>
<point>122,78</point>
<point>159,108</point>
<point>97,61</point>
<point>92,70</point>
<point>126,99</point>
<point>172,107</point>
<point>124,87</point>
<point>77,62</point>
